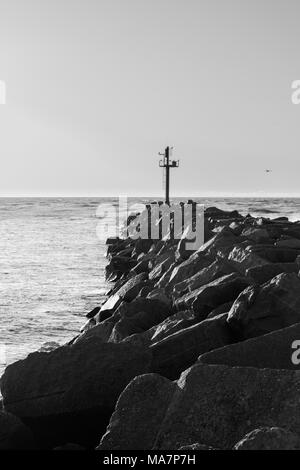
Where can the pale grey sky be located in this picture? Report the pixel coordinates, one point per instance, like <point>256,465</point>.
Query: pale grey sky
<point>95,88</point>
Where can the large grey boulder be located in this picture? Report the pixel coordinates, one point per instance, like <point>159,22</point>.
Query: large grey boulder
<point>178,351</point>
<point>276,350</point>
<point>206,275</point>
<point>172,324</point>
<point>141,409</point>
<point>262,274</point>
<point>67,395</point>
<point>208,297</point>
<point>257,235</point>
<point>242,258</point>
<point>186,269</point>
<point>138,316</point>
<point>261,309</point>
<point>213,405</point>
<point>131,288</point>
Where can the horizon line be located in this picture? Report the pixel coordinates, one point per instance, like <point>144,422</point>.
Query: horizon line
<point>156,197</point>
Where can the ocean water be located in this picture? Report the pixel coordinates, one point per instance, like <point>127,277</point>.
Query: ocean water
<point>52,262</point>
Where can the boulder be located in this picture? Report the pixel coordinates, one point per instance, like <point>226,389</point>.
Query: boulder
<point>108,308</point>
<point>262,274</point>
<point>93,312</point>
<point>138,316</point>
<point>275,350</point>
<point>178,351</point>
<point>222,242</point>
<point>141,267</point>
<point>288,243</point>
<point>160,294</point>
<point>261,309</point>
<point>102,332</point>
<point>275,254</point>
<point>161,264</point>
<point>68,395</point>
<point>187,268</point>
<point>14,435</point>
<point>213,405</point>
<point>131,288</point>
<point>216,213</point>
<point>269,439</point>
<point>172,324</point>
<point>207,298</point>
<point>118,266</point>
<point>206,275</point>
<point>151,395</point>
<point>257,235</point>
<point>242,258</point>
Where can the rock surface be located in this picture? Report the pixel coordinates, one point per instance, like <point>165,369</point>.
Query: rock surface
<point>269,439</point>
<point>262,309</point>
<point>175,353</point>
<point>214,405</point>
<point>276,350</point>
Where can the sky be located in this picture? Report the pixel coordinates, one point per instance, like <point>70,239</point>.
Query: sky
<point>96,88</point>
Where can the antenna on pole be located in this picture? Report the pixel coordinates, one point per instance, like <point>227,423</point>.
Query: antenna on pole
<point>167,164</point>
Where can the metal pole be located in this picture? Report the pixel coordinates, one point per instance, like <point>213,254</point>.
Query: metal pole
<point>167,153</point>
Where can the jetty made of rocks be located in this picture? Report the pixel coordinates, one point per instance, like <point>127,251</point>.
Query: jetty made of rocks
<point>190,350</point>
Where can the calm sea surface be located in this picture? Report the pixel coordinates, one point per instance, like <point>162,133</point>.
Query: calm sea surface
<point>52,263</point>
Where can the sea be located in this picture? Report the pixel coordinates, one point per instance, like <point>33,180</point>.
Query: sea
<point>52,263</point>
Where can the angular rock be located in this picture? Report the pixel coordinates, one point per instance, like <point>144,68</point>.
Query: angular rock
<point>269,439</point>
<point>131,288</point>
<point>138,316</point>
<point>93,312</point>
<point>207,298</point>
<point>172,324</point>
<point>165,262</point>
<point>242,258</point>
<point>262,274</point>
<point>108,308</point>
<point>68,395</point>
<point>188,268</point>
<point>276,350</point>
<point>118,266</point>
<point>275,254</point>
<point>151,395</point>
<point>222,242</point>
<point>257,235</point>
<point>206,275</point>
<point>102,332</point>
<point>160,294</point>
<point>262,309</point>
<point>178,351</point>
<point>288,243</point>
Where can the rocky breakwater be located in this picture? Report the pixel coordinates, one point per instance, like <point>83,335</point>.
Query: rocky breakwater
<point>192,348</point>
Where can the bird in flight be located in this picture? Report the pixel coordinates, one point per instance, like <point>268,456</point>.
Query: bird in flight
<point>268,171</point>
